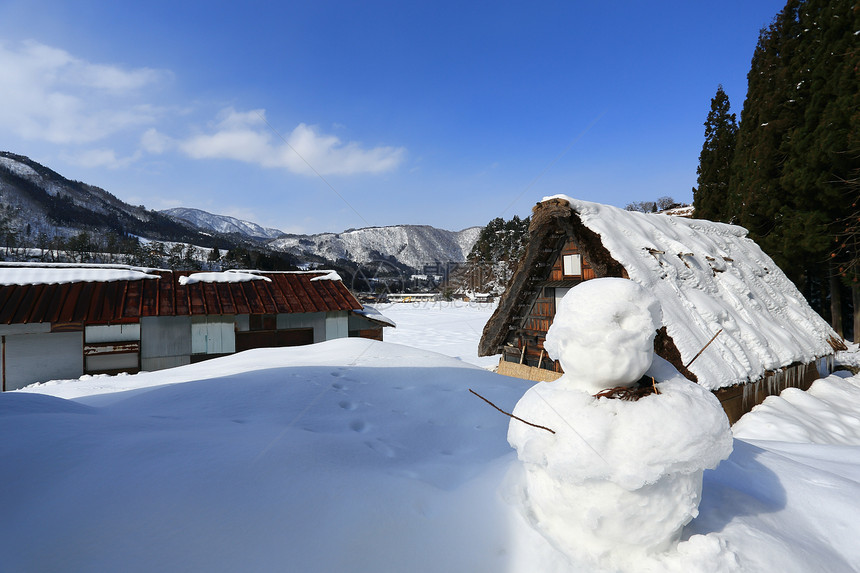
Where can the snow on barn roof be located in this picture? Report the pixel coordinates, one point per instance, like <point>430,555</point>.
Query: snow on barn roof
<point>221,277</point>
<point>371,313</point>
<point>709,277</point>
<point>103,294</point>
<point>329,276</point>
<point>64,273</point>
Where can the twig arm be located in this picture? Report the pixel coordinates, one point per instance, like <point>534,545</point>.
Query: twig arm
<point>511,415</point>
<point>703,348</point>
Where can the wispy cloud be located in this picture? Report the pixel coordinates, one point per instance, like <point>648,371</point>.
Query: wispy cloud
<point>101,157</point>
<point>49,95</point>
<point>245,136</point>
<point>152,141</point>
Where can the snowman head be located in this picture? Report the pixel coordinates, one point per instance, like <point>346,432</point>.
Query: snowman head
<point>603,333</point>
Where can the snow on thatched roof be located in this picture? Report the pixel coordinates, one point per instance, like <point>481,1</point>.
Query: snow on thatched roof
<point>708,277</point>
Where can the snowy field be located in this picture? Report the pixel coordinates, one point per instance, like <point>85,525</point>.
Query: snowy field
<point>356,455</point>
<point>452,328</point>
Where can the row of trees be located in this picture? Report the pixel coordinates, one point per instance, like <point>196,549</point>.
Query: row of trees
<point>494,256</point>
<point>788,171</point>
<point>661,204</point>
<point>112,248</point>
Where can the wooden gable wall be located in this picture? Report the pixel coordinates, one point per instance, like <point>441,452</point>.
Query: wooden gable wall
<point>525,344</point>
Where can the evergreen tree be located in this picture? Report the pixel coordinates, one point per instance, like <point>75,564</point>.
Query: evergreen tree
<point>756,196</point>
<point>500,246</point>
<point>846,253</point>
<point>798,142</point>
<point>711,196</point>
<point>501,241</point>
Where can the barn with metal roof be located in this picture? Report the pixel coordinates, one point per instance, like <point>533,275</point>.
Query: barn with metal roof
<point>63,321</point>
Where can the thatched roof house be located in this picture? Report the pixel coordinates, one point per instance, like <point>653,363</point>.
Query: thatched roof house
<point>709,277</point>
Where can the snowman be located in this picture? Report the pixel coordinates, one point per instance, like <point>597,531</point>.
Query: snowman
<point>618,479</point>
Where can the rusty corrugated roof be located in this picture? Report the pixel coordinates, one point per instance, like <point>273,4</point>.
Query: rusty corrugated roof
<point>100,302</point>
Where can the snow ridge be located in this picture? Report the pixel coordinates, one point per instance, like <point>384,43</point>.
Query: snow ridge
<point>411,245</point>
<point>222,223</point>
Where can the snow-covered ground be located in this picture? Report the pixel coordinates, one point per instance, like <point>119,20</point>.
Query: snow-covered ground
<point>356,455</point>
<point>448,327</point>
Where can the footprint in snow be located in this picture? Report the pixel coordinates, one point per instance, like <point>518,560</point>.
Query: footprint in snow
<point>382,448</point>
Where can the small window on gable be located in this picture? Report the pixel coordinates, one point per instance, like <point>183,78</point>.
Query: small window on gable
<point>572,265</point>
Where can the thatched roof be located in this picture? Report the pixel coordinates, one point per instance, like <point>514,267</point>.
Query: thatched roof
<point>708,276</point>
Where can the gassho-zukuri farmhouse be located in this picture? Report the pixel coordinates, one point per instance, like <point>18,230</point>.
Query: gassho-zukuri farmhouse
<point>710,278</point>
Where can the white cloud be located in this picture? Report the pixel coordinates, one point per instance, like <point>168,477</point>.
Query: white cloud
<point>245,136</point>
<point>48,94</point>
<point>99,158</point>
<point>155,142</point>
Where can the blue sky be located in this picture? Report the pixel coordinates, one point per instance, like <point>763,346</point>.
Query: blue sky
<point>321,116</point>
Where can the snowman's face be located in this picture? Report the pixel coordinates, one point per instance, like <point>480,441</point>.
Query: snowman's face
<point>603,333</point>
<point>616,360</point>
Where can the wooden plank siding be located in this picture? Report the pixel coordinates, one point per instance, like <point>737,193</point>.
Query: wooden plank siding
<point>557,272</point>
<point>739,399</point>
<point>533,326</point>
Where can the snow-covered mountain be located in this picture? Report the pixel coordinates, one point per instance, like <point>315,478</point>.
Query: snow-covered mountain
<point>412,245</point>
<point>222,223</point>
<point>39,201</point>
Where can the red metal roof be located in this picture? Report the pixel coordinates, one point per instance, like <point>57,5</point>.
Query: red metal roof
<point>127,300</point>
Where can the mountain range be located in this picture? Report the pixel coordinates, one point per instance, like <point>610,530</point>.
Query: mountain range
<point>37,202</point>
<point>222,223</point>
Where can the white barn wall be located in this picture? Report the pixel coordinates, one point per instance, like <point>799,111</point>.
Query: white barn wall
<point>336,325</point>
<point>315,320</point>
<point>125,361</point>
<point>98,333</point>
<point>30,358</point>
<point>165,342</point>
<point>30,328</point>
<point>213,334</point>
<point>103,359</point>
<point>34,354</point>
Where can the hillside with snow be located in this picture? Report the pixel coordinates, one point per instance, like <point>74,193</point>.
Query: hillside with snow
<point>222,223</point>
<point>411,245</point>
<point>38,200</point>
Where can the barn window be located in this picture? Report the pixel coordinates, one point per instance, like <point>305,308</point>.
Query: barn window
<point>572,265</point>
